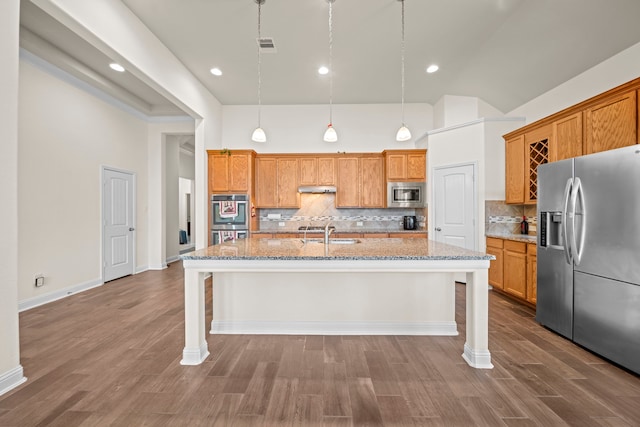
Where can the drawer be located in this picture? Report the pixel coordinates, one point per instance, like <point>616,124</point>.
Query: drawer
<point>511,246</point>
<point>532,249</point>
<point>492,242</point>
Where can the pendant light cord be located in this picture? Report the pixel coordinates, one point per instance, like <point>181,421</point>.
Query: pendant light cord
<point>402,62</point>
<point>330,61</point>
<point>259,61</point>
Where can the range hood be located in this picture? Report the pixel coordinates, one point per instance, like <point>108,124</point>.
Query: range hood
<point>316,189</point>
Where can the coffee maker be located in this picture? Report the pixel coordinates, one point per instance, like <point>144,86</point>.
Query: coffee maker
<point>409,222</point>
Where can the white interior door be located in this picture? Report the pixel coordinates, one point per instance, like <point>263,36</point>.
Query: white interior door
<point>455,210</point>
<point>118,191</point>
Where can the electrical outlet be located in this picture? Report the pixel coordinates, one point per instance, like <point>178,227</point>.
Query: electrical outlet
<point>39,280</point>
<point>359,224</point>
<point>281,224</point>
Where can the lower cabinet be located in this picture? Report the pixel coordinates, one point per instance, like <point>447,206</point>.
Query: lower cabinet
<point>514,270</point>
<point>496,269</point>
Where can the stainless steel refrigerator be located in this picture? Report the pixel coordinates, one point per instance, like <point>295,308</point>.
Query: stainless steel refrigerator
<point>589,252</point>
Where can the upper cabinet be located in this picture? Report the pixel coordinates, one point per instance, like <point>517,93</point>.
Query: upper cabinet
<point>360,181</point>
<point>277,182</point>
<point>230,171</point>
<point>523,155</point>
<point>611,123</point>
<point>315,170</point>
<point>406,165</point>
<point>605,122</point>
<point>567,138</point>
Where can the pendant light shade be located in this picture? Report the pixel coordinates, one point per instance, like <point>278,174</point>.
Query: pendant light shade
<point>330,134</point>
<point>403,134</point>
<point>258,134</point>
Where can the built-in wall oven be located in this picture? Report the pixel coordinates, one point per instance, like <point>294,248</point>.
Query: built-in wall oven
<point>230,215</point>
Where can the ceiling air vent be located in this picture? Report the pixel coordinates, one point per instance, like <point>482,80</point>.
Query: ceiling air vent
<point>266,45</point>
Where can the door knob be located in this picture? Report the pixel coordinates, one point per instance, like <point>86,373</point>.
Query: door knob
<point>131,228</point>
<point>438,229</point>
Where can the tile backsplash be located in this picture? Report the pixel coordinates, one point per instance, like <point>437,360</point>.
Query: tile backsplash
<point>504,219</point>
<point>318,209</point>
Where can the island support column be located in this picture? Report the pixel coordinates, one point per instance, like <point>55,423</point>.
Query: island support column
<point>476,347</point>
<point>195,345</point>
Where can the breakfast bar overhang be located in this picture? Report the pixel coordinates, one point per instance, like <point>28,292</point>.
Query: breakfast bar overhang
<point>420,258</point>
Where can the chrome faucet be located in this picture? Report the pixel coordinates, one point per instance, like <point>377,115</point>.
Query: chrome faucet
<point>328,229</point>
<point>305,234</point>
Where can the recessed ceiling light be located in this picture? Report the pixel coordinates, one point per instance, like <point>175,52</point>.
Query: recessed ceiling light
<point>216,71</point>
<point>117,67</point>
<point>432,68</point>
<point>323,70</point>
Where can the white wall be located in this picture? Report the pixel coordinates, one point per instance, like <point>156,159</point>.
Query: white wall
<point>610,73</point>
<point>66,136</point>
<point>300,128</point>
<point>11,372</point>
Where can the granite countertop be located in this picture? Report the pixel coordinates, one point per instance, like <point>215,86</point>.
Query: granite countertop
<point>365,249</point>
<point>336,231</point>
<point>516,237</point>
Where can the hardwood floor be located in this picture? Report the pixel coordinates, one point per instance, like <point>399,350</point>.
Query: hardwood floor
<point>110,356</point>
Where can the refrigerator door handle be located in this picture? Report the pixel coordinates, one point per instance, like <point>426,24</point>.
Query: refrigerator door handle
<point>577,248</point>
<point>565,213</point>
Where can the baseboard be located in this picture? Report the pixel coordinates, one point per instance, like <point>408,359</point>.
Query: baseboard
<point>30,303</point>
<point>479,359</point>
<point>158,267</point>
<point>11,379</point>
<point>141,269</point>
<point>253,327</point>
<point>173,259</point>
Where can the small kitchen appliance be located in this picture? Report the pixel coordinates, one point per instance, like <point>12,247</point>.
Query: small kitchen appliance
<point>409,222</point>
<point>406,195</point>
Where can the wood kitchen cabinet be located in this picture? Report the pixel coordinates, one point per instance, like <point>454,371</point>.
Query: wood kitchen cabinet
<point>604,122</point>
<point>532,272</point>
<point>496,268</point>
<point>277,182</point>
<point>515,268</point>
<point>514,170</point>
<point>406,165</point>
<point>348,182</point>
<point>567,138</point>
<point>372,185</point>
<point>230,172</point>
<point>409,235</point>
<point>523,154</point>
<point>360,182</point>
<point>612,123</point>
<point>314,170</point>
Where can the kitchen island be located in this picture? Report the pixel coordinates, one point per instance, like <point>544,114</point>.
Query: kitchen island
<point>247,273</point>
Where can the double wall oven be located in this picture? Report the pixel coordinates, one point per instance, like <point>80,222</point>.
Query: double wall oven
<point>230,215</point>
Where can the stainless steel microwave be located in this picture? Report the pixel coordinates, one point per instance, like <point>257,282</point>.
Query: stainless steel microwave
<point>406,194</point>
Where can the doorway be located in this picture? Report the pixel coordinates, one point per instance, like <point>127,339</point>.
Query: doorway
<point>118,223</point>
<point>455,205</point>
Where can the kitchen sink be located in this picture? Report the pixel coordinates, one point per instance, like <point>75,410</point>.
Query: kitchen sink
<point>335,241</point>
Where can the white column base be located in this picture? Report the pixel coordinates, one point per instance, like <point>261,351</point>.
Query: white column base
<point>194,356</point>
<point>480,359</point>
<point>11,379</point>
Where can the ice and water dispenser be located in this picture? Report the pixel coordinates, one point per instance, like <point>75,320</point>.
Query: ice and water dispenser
<point>550,229</point>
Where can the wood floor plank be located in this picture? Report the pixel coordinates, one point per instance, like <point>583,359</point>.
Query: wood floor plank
<point>364,405</point>
<point>111,356</point>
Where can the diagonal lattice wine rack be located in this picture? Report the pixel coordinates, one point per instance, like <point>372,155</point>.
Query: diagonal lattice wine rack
<point>538,155</point>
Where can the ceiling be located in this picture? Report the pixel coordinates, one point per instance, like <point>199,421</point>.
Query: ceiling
<point>505,52</point>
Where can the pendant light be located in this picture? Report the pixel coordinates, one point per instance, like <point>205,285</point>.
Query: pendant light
<point>403,133</point>
<point>258,134</point>
<point>330,134</point>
